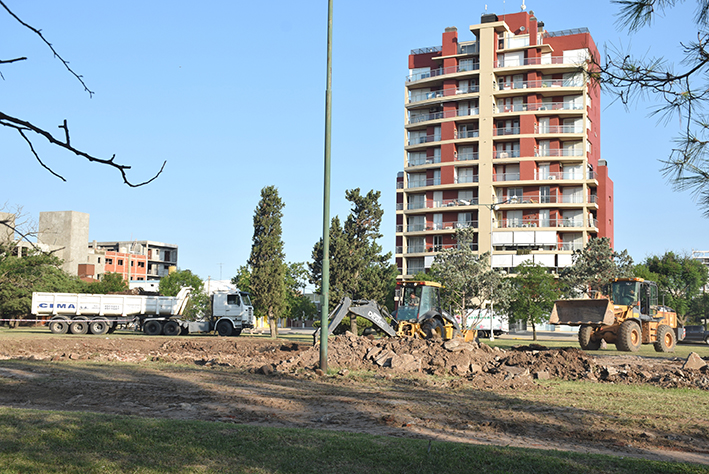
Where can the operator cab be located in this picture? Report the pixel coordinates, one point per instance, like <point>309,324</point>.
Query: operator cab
<point>416,299</point>
<point>637,293</point>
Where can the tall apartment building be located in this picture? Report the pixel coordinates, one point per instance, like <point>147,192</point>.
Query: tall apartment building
<point>503,135</point>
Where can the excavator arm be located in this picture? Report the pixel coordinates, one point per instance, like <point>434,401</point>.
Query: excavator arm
<point>367,309</point>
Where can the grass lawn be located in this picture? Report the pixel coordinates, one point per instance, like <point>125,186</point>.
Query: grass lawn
<point>57,442</point>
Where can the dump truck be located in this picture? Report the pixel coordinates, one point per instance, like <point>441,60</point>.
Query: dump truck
<point>78,313</point>
<point>628,317</point>
<point>418,314</point>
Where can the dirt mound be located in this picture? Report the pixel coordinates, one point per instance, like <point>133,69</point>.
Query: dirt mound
<point>491,366</point>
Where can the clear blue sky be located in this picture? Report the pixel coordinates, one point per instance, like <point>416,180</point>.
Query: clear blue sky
<point>231,94</point>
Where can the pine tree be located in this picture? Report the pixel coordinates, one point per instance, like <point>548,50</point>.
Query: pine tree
<point>358,268</point>
<point>267,258</point>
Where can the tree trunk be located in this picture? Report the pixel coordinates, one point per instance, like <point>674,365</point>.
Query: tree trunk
<point>353,323</point>
<point>534,331</point>
<point>272,324</point>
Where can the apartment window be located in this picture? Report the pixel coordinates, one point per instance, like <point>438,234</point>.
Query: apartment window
<point>514,193</point>
<point>544,194</point>
<point>167,255</point>
<point>166,267</point>
<point>466,175</point>
<point>99,260</point>
<point>437,198</point>
<point>417,201</point>
<point>131,263</point>
<point>120,262</point>
<point>437,243</point>
<point>141,264</point>
<point>416,245</point>
<point>465,219</point>
<point>417,158</point>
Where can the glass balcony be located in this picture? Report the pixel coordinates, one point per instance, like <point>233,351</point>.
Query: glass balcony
<point>467,156</point>
<point>498,132</point>
<point>505,177</point>
<point>550,106</point>
<point>530,222</point>
<point>421,96</point>
<point>506,154</point>
<point>424,183</point>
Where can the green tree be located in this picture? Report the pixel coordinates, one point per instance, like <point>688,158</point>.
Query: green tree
<point>298,306</point>
<point>535,291</point>
<point>699,310</point>
<point>242,279</point>
<point>469,281</point>
<point>35,271</point>
<point>358,268</point>
<point>267,258</point>
<point>679,278</point>
<point>198,305</point>
<point>683,93</point>
<point>595,266</point>
<point>109,283</point>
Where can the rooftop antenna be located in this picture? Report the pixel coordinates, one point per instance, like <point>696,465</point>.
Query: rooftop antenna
<point>523,7</point>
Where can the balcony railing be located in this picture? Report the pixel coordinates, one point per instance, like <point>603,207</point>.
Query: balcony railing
<point>433,204</point>
<point>466,179</point>
<point>424,139</point>
<point>505,131</point>
<point>467,156</point>
<point>539,106</point>
<point>429,160</point>
<point>560,129</point>
<point>437,226</point>
<point>441,115</point>
<point>559,152</point>
<point>506,154</point>
<point>422,183</point>
<point>563,175</point>
<point>515,223</point>
<point>514,85</point>
<point>442,71</point>
<point>531,61</point>
<point>420,97</point>
<point>505,177</point>
<point>592,199</point>
<point>467,134</point>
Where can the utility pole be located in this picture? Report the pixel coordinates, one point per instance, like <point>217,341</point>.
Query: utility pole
<point>326,200</point>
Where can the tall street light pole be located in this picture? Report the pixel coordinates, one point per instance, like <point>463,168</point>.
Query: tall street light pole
<point>325,294</point>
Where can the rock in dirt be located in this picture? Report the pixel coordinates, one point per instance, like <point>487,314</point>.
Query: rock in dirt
<point>693,362</point>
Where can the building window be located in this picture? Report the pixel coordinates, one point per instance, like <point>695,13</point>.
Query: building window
<point>120,262</point>
<point>131,263</point>
<point>141,264</point>
<point>109,261</point>
<point>99,260</point>
<point>167,255</point>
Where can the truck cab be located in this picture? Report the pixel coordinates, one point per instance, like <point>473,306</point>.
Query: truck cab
<point>232,312</point>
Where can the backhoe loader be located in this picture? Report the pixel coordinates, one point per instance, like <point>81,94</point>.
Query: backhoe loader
<point>418,314</point>
<point>628,317</point>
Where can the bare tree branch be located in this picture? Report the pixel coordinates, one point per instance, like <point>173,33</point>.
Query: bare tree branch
<point>7,61</point>
<point>54,51</point>
<point>23,126</point>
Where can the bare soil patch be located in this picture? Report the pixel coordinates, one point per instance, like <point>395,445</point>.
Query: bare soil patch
<point>452,391</point>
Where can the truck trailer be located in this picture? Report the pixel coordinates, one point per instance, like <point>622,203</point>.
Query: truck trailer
<point>78,313</point>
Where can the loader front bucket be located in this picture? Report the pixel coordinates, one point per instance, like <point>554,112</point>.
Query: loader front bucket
<point>594,312</point>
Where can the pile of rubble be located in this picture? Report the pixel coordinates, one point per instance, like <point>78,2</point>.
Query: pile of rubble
<point>483,363</point>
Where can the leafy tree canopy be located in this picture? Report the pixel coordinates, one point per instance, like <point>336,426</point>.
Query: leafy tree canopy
<point>595,266</point>
<point>535,291</point>
<point>679,278</point>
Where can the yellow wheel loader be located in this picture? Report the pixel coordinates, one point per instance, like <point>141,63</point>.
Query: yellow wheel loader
<point>628,317</point>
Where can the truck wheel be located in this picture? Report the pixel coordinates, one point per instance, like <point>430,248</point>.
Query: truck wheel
<point>171,328</point>
<point>432,329</point>
<point>79,326</point>
<point>224,328</point>
<point>99,327</point>
<point>629,337</point>
<point>236,332</point>
<point>585,341</point>
<point>665,339</point>
<point>152,328</point>
<point>59,326</point>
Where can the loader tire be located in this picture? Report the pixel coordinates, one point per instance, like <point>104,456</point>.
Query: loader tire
<point>59,326</point>
<point>665,339</point>
<point>585,333</point>
<point>171,328</point>
<point>224,328</point>
<point>629,337</point>
<point>152,328</point>
<point>433,329</point>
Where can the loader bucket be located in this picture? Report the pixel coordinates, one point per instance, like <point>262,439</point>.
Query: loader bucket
<point>594,312</point>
